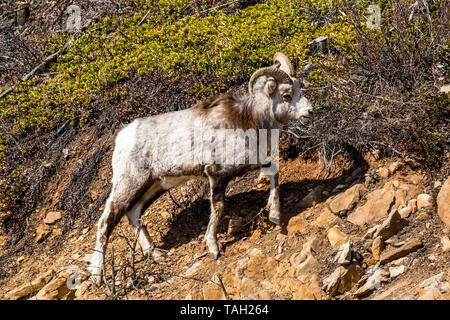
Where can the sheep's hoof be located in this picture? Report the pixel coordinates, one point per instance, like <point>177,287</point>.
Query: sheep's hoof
<point>275,220</point>
<point>214,255</point>
<point>216,250</point>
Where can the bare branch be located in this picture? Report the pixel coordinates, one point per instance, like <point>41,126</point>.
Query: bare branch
<point>48,58</point>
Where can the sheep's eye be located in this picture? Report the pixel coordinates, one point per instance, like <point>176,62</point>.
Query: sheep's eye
<point>287,97</point>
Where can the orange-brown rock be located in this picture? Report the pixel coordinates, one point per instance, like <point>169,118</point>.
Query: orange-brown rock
<point>326,219</point>
<point>434,288</point>
<point>443,202</point>
<point>52,217</point>
<point>213,291</point>
<point>424,201</point>
<point>377,247</point>
<point>295,224</point>
<point>29,288</point>
<point>342,279</point>
<point>336,237</point>
<point>405,249</point>
<point>392,225</point>
<point>42,232</point>
<point>376,207</point>
<point>345,201</point>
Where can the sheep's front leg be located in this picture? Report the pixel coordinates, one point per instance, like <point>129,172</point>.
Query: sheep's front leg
<point>274,200</point>
<point>218,186</point>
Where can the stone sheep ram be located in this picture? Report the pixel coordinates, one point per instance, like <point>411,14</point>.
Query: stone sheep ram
<point>143,169</point>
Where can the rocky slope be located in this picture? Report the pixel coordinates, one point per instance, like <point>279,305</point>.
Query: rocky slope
<point>380,231</point>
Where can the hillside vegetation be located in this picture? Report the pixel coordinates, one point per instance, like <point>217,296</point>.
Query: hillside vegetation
<point>364,186</point>
<point>372,88</point>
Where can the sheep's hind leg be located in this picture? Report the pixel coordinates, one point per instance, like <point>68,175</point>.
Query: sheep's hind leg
<point>135,213</point>
<point>218,186</point>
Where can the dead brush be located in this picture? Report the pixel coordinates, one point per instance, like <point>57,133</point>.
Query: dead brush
<point>383,91</point>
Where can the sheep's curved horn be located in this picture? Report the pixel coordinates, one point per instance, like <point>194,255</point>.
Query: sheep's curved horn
<point>284,63</point>
<point>278,74</point>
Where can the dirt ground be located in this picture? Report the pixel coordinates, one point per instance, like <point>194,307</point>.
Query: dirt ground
<point>177,222</point>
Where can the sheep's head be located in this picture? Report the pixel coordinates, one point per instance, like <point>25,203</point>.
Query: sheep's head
<point>278,84</point>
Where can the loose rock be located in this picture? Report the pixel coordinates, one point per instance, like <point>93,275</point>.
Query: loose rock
<point>445,244</point>
<point>193,269</point>
<point>398,244</point>
<point>344,255</point>
<point>377,247</point>
<point>295,224</point>
<point>396,271</point>
<point>309,291</point>
<point>346,200</point>
<point>52,217</point>
<point>42,232</point>
<point>57,232</point>
<point>336,237</point>
<point>369,234</point>
<point>401,261</point>
<point>234,225</point>
<point>212,291</point>
<point>56,289</point>
<point>405,212</point>
<point>342,279</point>
<point>339,187</point>
<point>29,288</point>
<point>422,216</point>
<point>326,219</point>
<point>400,198</point>
<point>84,286</point>
<point>443,202</point>
<point>407,248</point>
<point>383,172</point>
<point>436,287</point>
<point>413,205</point>
<point>445,88</point>
<point>2,240</point>
<point>424,201</point>
<point>377,206</point>
<point>373,282</point>
<point>394,166</point>
<point>393,224</point>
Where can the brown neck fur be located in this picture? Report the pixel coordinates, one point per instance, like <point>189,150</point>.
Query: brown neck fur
<point>234,110</point>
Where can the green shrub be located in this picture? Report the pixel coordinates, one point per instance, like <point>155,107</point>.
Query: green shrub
<point>221,45</point>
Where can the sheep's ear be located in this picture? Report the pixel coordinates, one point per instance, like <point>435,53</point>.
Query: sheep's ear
<point>270,86</point>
